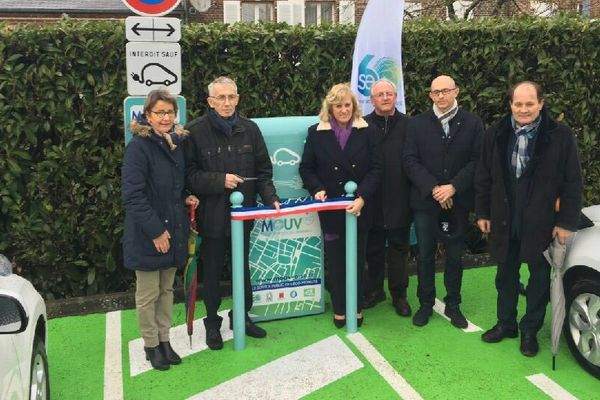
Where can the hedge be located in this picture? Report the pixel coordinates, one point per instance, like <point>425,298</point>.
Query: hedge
<point>61,118</point>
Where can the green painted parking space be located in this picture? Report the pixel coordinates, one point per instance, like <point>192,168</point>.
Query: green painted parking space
<point>437,361</point>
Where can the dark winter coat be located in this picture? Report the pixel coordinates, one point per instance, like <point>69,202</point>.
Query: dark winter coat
<point>391,208</point>
<point>553,172</point>
<point>152,179</point>
<point>430,160</point>
<point>209,155</point>
<point>325,166</point>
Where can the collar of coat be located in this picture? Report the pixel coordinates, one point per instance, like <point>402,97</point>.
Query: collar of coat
<point>358,123</point>
<point>145,130</point>
<point>545,130</point>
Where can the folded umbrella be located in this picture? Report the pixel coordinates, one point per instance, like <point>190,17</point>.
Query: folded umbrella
<point>190,275</point>
<point>555,254</point>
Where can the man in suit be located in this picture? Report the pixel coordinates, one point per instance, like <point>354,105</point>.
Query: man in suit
<point>440,155</point>
<point>528,161</point>
<point>391,210</point>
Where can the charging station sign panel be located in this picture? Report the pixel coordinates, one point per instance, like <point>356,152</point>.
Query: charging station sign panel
<point>151,8</point>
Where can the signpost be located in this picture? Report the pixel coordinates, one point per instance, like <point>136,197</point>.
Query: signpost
<point>146,29</point>
<point>151,65</point>
<point>150,8</point>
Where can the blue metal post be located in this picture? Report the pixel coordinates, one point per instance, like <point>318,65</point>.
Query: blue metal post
<point>351,295</point>
<point>237,280</point>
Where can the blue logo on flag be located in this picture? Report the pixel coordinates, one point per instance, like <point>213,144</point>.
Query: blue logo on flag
<point>369,72</point>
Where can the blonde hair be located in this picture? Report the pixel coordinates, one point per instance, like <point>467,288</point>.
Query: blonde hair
<point>335,96</point>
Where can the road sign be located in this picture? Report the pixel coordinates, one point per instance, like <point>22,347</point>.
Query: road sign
<point>152,8</point>
<point>133,107</point>
<point>151,65</point>
<point>149,29</point>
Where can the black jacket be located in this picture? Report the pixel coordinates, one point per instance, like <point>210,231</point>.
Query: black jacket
<point>152,189</point>
<point>553,172</point>
<point>325,166</point>
<point>431,160</point>
<point>391,201</point>
<point>209,155</point>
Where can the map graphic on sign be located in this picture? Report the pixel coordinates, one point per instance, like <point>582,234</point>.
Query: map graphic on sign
<point>286,263</point>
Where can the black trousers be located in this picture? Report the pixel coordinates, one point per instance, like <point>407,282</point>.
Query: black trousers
<point>538,291</point>
<point>213,252</point>
<point>335,252</point>
<point>396,255</point>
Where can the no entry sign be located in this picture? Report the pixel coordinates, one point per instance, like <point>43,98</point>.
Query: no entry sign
<point>151,8</point>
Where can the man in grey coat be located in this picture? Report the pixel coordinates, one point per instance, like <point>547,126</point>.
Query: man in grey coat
<point>529,190</point>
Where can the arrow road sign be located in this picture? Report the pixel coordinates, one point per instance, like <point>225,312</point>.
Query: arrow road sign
<point>149,29</point>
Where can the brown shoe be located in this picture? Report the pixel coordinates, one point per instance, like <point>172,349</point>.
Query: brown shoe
<point>373,298</point>
<point>402,307</point>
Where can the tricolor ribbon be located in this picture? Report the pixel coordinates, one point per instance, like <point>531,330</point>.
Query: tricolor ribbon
<point>247,213</point>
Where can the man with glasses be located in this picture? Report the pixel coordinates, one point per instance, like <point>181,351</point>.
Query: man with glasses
<point>440,156</point>
<point>528,161</point>
<point>392,216</point>
<point>225,152</point>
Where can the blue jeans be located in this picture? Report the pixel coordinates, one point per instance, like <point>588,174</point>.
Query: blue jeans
<point>427,246</point>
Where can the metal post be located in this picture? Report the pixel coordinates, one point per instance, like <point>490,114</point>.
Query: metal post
<point>351,295</point>
<point>237,280</point>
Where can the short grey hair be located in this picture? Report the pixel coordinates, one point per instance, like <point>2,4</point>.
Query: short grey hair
<point>223,80</point>
<point>386,80</point>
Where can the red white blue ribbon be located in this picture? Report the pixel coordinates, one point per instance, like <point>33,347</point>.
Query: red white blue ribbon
<point>248,213</point>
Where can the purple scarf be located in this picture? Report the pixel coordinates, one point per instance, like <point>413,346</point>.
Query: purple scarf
<point>341,134</point>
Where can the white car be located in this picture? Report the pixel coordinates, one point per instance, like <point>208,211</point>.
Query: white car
<point>582,291</point>
<point>23,338</point>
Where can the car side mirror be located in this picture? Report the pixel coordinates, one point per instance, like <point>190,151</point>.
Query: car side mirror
<point>13,318</point>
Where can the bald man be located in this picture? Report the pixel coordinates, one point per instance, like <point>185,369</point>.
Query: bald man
<point>528,161</point>
<point>440,155</point>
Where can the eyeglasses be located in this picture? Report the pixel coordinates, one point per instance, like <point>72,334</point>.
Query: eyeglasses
<point>162,114</point>
<point>221,98</point>
<point>445,92</point>
<point>381,95</point>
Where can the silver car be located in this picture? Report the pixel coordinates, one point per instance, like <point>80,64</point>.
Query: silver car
<point>23,338</point>
<point>582,291</point>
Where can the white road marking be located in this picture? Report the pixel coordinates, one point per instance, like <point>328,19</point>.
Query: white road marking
<point>113,363</point>
<point>439,306</point>
<point>292,376</point>
<point>551,388</point>
<point>391,376</point>
<point>180,342</point>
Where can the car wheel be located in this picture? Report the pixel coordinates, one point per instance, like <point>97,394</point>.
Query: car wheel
<point>582,323</point>
<point>39,387</point>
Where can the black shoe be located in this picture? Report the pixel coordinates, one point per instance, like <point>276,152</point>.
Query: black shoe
<point>158,361</point>
<point>529,344</point>
<point>456,317</point>
<point>373,298</point>
<point>497,333</point>
<point>252,329</point>
<point>402,307</point>
<point>421,317</point>
<point>339,323</point>
<point>169,354</point>
<point>359,321</point>
<point>214,341</point>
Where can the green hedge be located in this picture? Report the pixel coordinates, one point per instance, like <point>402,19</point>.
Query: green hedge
<point>62,88</point>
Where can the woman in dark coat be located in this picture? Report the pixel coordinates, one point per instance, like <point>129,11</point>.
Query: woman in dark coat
<point>156,222</point>
<point>341,148</point>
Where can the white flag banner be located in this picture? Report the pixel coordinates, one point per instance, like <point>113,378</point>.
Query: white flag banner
<point>378,51</point>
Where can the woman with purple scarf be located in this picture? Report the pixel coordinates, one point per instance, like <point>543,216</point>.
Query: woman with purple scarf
<point>342,148</point>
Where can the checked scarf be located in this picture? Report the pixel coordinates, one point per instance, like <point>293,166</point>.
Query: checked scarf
<point>445,117</point>
<point>520,156</point>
